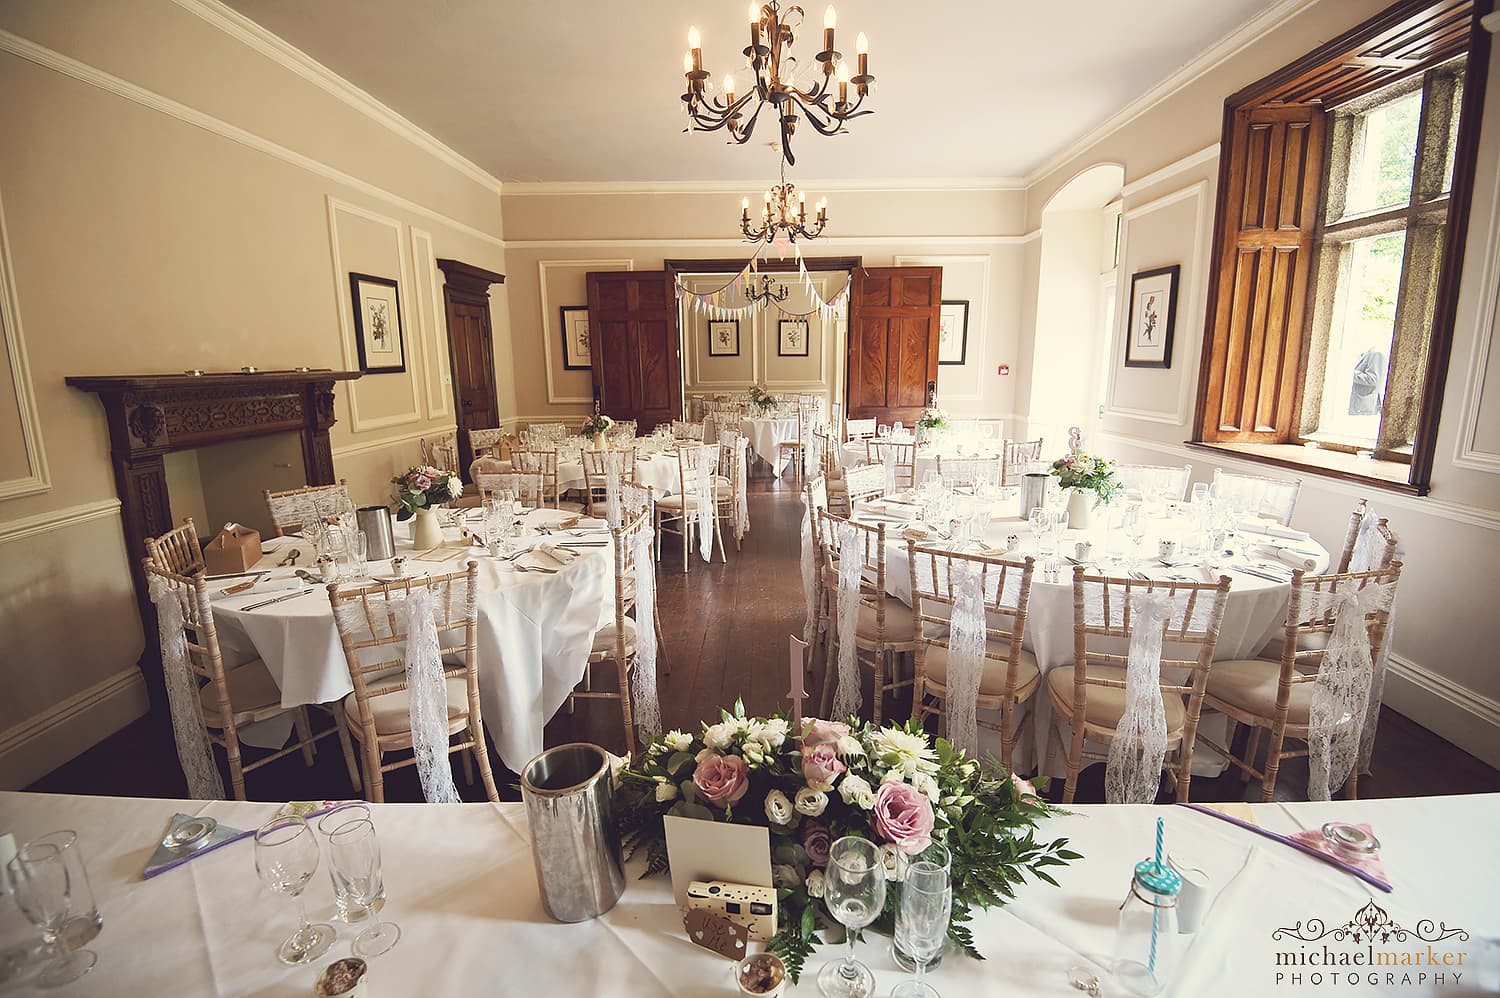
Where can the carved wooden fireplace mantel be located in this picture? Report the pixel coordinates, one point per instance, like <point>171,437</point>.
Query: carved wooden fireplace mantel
<point>155,414</point>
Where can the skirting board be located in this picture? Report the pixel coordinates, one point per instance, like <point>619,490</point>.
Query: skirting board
<point>38,745</point>
<point>1467,719</point>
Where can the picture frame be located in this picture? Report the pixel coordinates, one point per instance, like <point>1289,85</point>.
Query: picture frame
<point>792,336</point>
<point>953,333</point>
<point>724,338</point>
<point>1152,318</point>
<point>578,353</point>
<point>378,335</point>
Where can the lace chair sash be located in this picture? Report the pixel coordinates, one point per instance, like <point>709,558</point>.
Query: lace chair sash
<point>848,697</point>
<point>703,490</point>
<point>643,692</point>
<point>809,575</point>
<point>1139,746</point>
<point>193,749</point>
<point>427,692</point>
<point>966,646</point>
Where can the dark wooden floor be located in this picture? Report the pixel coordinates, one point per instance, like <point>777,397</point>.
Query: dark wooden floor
<point>726,628</point>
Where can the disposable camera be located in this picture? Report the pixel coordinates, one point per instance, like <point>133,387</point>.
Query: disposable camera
<point>752,907</point>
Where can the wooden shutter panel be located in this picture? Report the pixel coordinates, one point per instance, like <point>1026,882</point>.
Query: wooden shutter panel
<point>1268,211</point>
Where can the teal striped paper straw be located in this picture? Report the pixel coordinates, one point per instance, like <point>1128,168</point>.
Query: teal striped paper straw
<point>1156,912</point>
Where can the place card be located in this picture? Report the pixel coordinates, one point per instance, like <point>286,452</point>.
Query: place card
<point>717,933</point>
<point>715,850</point>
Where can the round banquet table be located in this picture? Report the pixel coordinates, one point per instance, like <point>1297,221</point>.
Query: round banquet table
<point>534,635</point>
<point>855,453</point>
<point>766,434</point>
<point>1254,609</point>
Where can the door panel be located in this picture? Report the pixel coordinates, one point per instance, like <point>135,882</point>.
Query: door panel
<point>473,372</point>
<point>636,346</point>
<point>893,352</point>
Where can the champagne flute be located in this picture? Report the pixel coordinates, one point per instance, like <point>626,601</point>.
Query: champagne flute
<point>44,893</point>
<point>286,857</point>
<point>1038,520</point>
<point>354,854</point>
<point>922,923</point>
<point>1135,529</point>
<point>855,895</point>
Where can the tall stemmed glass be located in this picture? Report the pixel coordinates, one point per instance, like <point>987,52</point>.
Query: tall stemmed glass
<point>922,922</point>
<point>354,853</point>
<point>855,894</point>
<point>44,893</point>
<point>286,857</point>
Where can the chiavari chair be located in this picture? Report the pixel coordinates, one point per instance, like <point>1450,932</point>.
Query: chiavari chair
<point>291,509</point>
<point>1017,456</point>
<point>679,514</point>
<point>1275,498</point>
<point>178,550</point>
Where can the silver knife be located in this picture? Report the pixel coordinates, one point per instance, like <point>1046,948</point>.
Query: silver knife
<point>278,599</point>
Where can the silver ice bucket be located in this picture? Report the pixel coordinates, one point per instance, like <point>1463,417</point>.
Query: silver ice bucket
<point>1033,493</point>
<point>570,804</point>
<point>375,521</point>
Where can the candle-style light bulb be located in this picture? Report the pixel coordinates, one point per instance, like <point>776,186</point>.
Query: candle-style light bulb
<point>843,77</point>
<point>830,18</point>
<point>862,44</point>
<point>862,48</point>
<point>754,25</point>
<point>728,88</point>
<point>754,12</point>
<point>695,41</point>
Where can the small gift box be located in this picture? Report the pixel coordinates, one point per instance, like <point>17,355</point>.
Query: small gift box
<point>235,549</point>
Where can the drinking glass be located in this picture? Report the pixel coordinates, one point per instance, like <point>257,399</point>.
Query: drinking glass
<point>1135,529</point>
<point>286,857</point>
<point>855,895</point>
<point>1038,520</point>
<point>1200,491</point>
<point>84,920</point>
<point>936,855</point>
<point>354,855</point>
<point>922,922</point>
<point>350,909</point>
<point>44,892</point>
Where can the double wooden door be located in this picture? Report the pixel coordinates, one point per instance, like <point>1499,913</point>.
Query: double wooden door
<point>894,315</point>
<point>635,343</point>
<point>471,351</point>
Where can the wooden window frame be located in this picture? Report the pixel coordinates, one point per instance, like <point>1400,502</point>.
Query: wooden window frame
<point>1351,66</point>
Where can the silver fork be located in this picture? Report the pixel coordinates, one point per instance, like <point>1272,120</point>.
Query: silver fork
<point>522,568</point>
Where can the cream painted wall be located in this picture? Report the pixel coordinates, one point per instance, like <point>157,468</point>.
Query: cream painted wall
<point>172,198</point>
<point>1441,674</point>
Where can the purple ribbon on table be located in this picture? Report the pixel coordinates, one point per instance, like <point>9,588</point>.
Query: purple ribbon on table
<point>157,871</point>
<point>1368,878</point>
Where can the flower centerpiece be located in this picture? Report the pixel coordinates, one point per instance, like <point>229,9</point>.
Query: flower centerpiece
<point>932,421</point>
<point>763,400</point>
<point>1081,472</point>
<point>893,785</point>
<point>418,493</point>
<point>596,426</point>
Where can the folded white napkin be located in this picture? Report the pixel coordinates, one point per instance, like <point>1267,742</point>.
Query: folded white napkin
<point>1274,529</point>
<point>265,585</point>
<point>1292,559</point>
<point>550,551</point>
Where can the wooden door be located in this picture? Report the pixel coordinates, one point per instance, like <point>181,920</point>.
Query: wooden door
<point>634,340</point>
<point>471,352</point>
<point>893,341</point>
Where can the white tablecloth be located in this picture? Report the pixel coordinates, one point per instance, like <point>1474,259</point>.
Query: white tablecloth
<point>656,470</point>
<point>1254,613</point>
<point>460,883</point>
<point>855,453</point>
<point>766,435</point>
<point>535,632</point>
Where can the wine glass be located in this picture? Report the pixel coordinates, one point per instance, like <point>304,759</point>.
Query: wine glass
<point>1038,520</point>
<point>1135,529</point>
<point>855,895</point>
<point>354,854</point>
<point>44,892</point>
<point>922,922</point>
<point>286,857</point>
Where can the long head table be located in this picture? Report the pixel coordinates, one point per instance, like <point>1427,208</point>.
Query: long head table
<point>460,883</point>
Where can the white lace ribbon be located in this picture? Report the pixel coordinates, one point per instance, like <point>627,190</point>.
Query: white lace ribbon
<point>742,464</point>
<point>427,695</point>
<point>614,461</point>
<point>1342,694</point>
<point>194,751</point>
<point>703,488</point>
<point>1139,745</point>
<point>888,458</point>
<point>809,575</point>
<point>848,697</point>
<point>966,646</point>
<point>643,693</point>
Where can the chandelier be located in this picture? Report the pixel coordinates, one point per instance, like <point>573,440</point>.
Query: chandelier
<point>765,295</point>
<point>773,31</point>
<point>783,214</point>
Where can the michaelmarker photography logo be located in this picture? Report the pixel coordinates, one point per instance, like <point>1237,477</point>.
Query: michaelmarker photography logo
<point>1370,949</point>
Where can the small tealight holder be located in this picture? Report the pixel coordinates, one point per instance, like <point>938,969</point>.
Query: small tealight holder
<point>343,979</point>
<point>762,975</point>
<point>328,568</point>
<point>1166,549</point>
<point>1012,541</point>
<point>1351,840</point>
<point>1082,550</point>
<point>398,566</point>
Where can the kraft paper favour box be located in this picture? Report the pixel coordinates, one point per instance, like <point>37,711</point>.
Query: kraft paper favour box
<point>235,549</point>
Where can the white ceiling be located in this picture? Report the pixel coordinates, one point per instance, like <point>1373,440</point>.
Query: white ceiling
<point>587,90</point>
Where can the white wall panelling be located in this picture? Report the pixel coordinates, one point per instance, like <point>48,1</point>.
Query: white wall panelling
<point>43,742</point>
<point>977,362</point>
<point>36,478</point>
<point>428,296</point>
<point>1468,453</point>
<point>551,335</point>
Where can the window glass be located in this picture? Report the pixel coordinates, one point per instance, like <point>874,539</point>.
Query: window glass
<point>1383,155</point>
<point>1458,102</point>
<point>1359,347</point>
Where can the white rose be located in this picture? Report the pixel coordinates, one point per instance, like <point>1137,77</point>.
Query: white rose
<point>894,861</point>
<point>778,808</point>
<point>774,732</point>
<point>455,486</point>
<point>892,776</point>
<point>678,741</point>
<point>718,736</point>
<point>815,882</point>
<point>849,745</point>
<point>927,785</point>
<point>856,791</point>
<point>666,792</point>
<point>703,754</point>
<point>783,875</point>
<point>616,764</point>
<point>811,802</point>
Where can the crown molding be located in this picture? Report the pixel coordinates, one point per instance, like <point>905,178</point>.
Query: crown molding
<point>730,242</point>
<point>288,56</point>
<point>1215,55</point>
<point>649,187</point>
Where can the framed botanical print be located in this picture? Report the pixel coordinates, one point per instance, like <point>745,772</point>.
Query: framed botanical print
<point>724,338</point>
<point>953,332</point>
<point>377,324</point>
<point>577,353</point>
<point>1153,313</point>
<point>792,337</point>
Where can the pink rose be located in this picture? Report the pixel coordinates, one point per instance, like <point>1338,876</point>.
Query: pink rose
<point>816,732</point>
<point>817,842</point>
<point>722,779</point>
<point>1024,788</point>
<point>821,766</point>
<point>903,817</point>
<point>421,482</point>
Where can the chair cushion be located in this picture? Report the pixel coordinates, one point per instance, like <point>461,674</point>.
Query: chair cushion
<point>604,640</point>
<point>992,681</point>
<point>1250,685</point>
<point>252,692</point>
<point>1106,704</point>
<point>392,711</point>
<point>677,502</point>
<point>897,621</point>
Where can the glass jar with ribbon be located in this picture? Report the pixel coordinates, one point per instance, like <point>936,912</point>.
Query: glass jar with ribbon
<point>1146,950</point>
